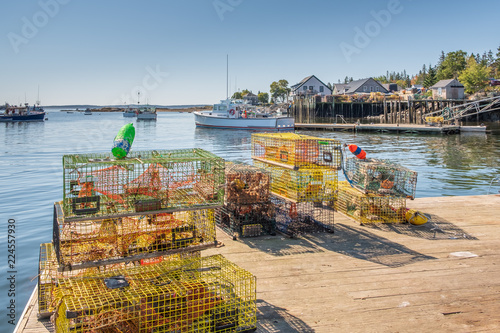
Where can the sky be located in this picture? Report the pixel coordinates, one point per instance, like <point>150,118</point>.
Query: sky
<point>174,52</point>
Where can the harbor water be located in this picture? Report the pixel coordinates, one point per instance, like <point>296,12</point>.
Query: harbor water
<point>31,175</point>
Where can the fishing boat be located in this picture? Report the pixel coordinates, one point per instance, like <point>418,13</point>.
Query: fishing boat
<point>235,114</point>
<point>87,112</point>
<point>130,112</point>
<point>146,113</point>
<point>22,113</point>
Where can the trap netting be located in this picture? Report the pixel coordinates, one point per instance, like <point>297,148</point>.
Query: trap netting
<point>210,294</point>
<point>99,242</point>
<point>246,220</point>
<point>49,273</point>
<point>296,218</point>
<point>97,185</point>
<point>381,177</point>
<point>296,150</point>
<point>246,184</point>
<point>370,208</point>
<point>318,184</point>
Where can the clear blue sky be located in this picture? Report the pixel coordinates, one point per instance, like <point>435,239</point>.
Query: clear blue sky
<point>174,51</point>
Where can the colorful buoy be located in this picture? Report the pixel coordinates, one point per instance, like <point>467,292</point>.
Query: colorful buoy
<point>360,153</point>
<point>123,141</point>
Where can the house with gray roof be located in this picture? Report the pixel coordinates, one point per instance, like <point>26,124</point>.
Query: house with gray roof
<point>448,89</point>
<point>310,85</point>
<point>364,86</point>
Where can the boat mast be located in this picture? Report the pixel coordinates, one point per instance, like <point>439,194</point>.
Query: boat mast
<point>227,76</point>
<point>38,96</point>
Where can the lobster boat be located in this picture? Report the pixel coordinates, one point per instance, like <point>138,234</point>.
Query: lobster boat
<point>22,113</point>
<point>235,114</point>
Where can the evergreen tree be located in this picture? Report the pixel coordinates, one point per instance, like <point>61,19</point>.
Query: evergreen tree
<point>431,77</point>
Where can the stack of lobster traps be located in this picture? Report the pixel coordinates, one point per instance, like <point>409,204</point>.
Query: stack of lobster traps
<point>376,191</point>
<point>304,179</point>
<point>125,255</point>
<point>247,210</point>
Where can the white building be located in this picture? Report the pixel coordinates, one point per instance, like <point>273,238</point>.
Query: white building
<point>310,85</point>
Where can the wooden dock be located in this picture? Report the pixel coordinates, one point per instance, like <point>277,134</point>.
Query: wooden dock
<point>392,128</point>
<point>443,276</point>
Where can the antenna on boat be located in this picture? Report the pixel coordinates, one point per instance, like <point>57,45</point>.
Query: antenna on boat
<point>227,76</point>
<point>138,94</point>
<point>38,96</point>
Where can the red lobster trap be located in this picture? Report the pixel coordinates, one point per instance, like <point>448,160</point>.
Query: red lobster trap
<point>99,186</point>
<point>100,242</point>
<point>210,294</point>
<point>381,177</point>
<point>296,151</point>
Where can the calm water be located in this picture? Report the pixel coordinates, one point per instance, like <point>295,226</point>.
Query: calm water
<point>31,169</point>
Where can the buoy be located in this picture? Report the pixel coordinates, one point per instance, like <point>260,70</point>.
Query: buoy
<point>415,217</point>
<point>123,141</point>
<point>360,153</point>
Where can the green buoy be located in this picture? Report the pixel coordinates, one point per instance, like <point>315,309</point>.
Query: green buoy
<point>123,141</point>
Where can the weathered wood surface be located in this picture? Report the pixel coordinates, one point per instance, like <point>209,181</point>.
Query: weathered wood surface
<point>383,278</point>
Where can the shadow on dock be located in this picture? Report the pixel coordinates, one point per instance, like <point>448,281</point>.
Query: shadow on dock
<point>281,245</point>
<point>436,229</point>
<point>271,318</point>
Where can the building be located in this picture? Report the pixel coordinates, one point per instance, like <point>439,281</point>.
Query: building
<point>448,89</point>
<point>364,86</point>
<point>391,87</point>
<point>251,98</point>
<point>310,85</point>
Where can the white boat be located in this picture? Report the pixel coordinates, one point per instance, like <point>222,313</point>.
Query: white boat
<point>146,113</point>
<point>234,114</point>
<point>87,112</point>
<point>130,112</point>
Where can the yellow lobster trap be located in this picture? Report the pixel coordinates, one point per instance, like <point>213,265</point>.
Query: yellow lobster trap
<point>318,184</point>
<point>296,150</point>
<point>210,294</point>
<point>99,186</point>
<point>369,208</point>
<point>101,242</point>
<point>49,273</point>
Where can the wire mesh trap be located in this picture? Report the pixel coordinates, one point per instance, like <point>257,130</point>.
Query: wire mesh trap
<point>296,218</point>
<point>247,220</point>
<point>97,185</point>
<point>49,273</point>
<point>246,184</point>
<point>369,208</point>
<point>318,184</point>
<point>210,294</point>
<point>296,150</point>
<point>381,177</point>
<point>99,242</point>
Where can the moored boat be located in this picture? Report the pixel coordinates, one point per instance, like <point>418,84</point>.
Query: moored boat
<point>87,112</point>
<point>130,112</point>
<point>22,113</point>
<point>234,114</point>
<point>146,113</point>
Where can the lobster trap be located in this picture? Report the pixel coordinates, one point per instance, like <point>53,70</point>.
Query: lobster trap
<point>296,218</point>
<point>246,220</point>
<point>246,184</point>
<point>381,177</point>
<point>49,273</point>
<point>318,184</point>
<point>98,186</point>
<point>370,208</point>
<point>296,151</point>
<point>210,294</point>
<point>101,242</point>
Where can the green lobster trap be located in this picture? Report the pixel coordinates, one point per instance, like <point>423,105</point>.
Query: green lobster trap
<point>246,220</point>
<point>246,184</point>
<point>210,294</point>
<point>296,218</point>
<point>50,272</point>
<point>370,208</point>
<point>318,184</point>
<point>296,151</point>
<point>381,177</point>
<point>101,242</point>
<point>98,186</point>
